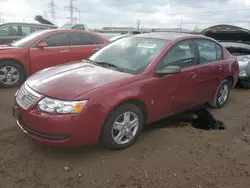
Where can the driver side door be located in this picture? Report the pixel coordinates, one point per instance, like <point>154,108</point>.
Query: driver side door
<point>56,53</point>
<point>175,93</point>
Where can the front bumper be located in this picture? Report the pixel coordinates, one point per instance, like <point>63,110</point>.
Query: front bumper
<point>60,130</point>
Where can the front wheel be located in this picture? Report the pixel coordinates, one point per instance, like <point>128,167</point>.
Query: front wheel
<point>222,94</point>
<point>11,74</point>
<point>123,127</point>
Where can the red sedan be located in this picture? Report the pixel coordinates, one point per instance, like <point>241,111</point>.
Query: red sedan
<point>131,82</point>
<point>44,49</point>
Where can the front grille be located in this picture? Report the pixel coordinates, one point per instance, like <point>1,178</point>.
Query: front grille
<point>26,97</point>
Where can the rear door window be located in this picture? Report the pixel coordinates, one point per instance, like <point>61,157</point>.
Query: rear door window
<point>98,40</point>
<point>81,39</point>
<point>208,51</point>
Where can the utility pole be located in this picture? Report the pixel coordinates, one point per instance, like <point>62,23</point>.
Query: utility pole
<point>181,25</point>
<point>1,20</point>
<point>138,25</point>
<point>52,7</point>
<point>79,16</point>
<point>72,9</point>
<point>45,14</point>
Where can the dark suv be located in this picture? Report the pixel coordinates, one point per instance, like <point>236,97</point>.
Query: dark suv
<point>10,32</point>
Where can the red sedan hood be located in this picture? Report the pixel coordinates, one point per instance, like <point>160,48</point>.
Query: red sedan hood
<point>6,47</point>
<point>71,80</point>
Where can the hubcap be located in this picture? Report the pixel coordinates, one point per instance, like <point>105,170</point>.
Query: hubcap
<point>125,128</point>
<point>9,75</point>
<point>223,94</point>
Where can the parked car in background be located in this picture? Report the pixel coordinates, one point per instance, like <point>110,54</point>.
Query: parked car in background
<point>130,82</point>
<point>237,41</point>
<point>10,32</point>
<point>43,49</point>
<point>83,27</point>
<point>242,51</point>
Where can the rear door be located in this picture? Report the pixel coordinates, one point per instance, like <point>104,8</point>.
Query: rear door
<point>56,53</point>
<point>211,67</point>
<point>83,45</point>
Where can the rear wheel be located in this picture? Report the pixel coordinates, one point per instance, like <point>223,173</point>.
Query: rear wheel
<point>222,94</point>
<point>11,74</point>
<point>123,127</point>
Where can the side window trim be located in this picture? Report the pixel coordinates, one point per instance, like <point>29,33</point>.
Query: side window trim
<point>195,53</point>
<point>35,45</point>
<point>221,52</point>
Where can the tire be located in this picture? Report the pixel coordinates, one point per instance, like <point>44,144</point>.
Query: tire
<point>109,133</point>
<point>245,85</point>
<point>215,103</point>
<point>16,77</point>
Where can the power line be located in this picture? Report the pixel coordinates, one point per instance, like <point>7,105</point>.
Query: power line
<point>52,7</point>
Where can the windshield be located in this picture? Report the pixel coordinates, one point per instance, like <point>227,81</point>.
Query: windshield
<point>26,40</point>
<point>66,26</point>
<point>130,54</point>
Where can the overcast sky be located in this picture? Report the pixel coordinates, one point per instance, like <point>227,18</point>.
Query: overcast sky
<point>152,13</point>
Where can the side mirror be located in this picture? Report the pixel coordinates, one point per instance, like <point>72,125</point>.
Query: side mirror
<point>168,70</point>
<point>42,45</point>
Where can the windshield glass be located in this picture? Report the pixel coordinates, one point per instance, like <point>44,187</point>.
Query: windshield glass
<point>26,40</point>
<point>66,26</point>
<point>130,54</point>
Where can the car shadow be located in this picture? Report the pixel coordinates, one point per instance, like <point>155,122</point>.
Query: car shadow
<point>199,118</point>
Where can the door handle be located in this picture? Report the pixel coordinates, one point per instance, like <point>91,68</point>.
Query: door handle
<point>193,74</point>
<point>64,51</point>
<point>96,49</point>
<point>219,67</point>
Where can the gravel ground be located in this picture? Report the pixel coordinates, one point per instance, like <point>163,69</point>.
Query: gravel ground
<point>167,156</point>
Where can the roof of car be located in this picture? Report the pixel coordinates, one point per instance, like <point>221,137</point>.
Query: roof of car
<point>167,35</point>
<point>24,23</point>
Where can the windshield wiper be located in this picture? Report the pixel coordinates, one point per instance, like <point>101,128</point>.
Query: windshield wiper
<point>100,63</point>
<point>89,60</point>
<point>109,65</point>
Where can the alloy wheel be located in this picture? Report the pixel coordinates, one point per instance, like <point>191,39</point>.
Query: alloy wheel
<point>125,128</point>
<point>9,75</point>
<point>223,94</point>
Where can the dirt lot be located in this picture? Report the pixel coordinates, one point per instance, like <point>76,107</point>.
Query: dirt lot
<point>167,156</point>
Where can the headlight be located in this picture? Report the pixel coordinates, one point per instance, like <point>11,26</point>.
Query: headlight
<point>61,107</point>
<point>242,73</point>
<point>243,58</point>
